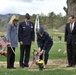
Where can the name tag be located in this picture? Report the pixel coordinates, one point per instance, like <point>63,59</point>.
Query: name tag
<point>24,28</point>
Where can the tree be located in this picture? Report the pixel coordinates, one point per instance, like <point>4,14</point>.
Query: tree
<point>51,19</point>
<point>71,8</point>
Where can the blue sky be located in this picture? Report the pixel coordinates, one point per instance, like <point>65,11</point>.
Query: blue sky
<point>32,6</point>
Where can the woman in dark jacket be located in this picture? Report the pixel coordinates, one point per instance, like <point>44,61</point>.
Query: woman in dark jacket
<point>45,43</point>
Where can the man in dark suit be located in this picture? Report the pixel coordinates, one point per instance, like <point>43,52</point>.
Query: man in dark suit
<point>70,40</point>
<point>26,38</point>
<point>45,43</point>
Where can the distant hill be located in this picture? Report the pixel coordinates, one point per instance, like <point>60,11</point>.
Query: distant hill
<point>51,21</point>
<point>4,19</point>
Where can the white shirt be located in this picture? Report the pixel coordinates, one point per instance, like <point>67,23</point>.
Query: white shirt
<point>72,25</point>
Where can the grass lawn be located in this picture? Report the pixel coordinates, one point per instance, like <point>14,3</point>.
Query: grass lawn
<point>26,72</point>
<point>53,55</point>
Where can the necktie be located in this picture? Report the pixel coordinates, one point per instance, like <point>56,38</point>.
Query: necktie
<point>27,23</point>
<point>71,27</point>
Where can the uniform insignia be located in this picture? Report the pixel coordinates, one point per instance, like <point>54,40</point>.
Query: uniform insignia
<point>24,27</point>
<point>31,26</point>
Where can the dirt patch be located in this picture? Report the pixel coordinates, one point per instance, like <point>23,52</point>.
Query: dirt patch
<point>52,65</point>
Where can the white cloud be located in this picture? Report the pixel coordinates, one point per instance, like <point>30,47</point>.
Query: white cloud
<point>32,6</point>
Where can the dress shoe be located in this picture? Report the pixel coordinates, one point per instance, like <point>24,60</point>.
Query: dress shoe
<point>26,65</point>
<point>22,66</point>
<point>13,67</point>
<point>71,66</point>
<point>8,67</point>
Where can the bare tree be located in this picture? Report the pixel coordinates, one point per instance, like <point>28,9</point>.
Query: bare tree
<point>71,7</point>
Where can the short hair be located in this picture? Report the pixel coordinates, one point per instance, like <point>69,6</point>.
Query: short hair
<point>72,16</point>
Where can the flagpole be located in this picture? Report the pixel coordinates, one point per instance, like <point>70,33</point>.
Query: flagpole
<point>36,26</point>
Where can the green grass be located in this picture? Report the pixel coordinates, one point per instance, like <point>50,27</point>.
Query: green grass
<point>53,54</point>
<point>26,72</point>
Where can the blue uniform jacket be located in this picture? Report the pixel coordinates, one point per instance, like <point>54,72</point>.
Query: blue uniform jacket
<point>26,33</point>
<point>45,41</point>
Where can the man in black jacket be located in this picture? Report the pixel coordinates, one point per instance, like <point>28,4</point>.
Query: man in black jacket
<point>45,43</point>
<point>26,38</point>
<point>70,40</point>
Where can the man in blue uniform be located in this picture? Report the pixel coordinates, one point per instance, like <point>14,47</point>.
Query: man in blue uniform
<point>26,38</point>
<point>45,43</point>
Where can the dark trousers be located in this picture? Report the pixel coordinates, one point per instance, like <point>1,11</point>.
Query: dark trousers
<point>24,54</point>
<point>71,54</point>
<point>46,55</point>
<point>10,57</point>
